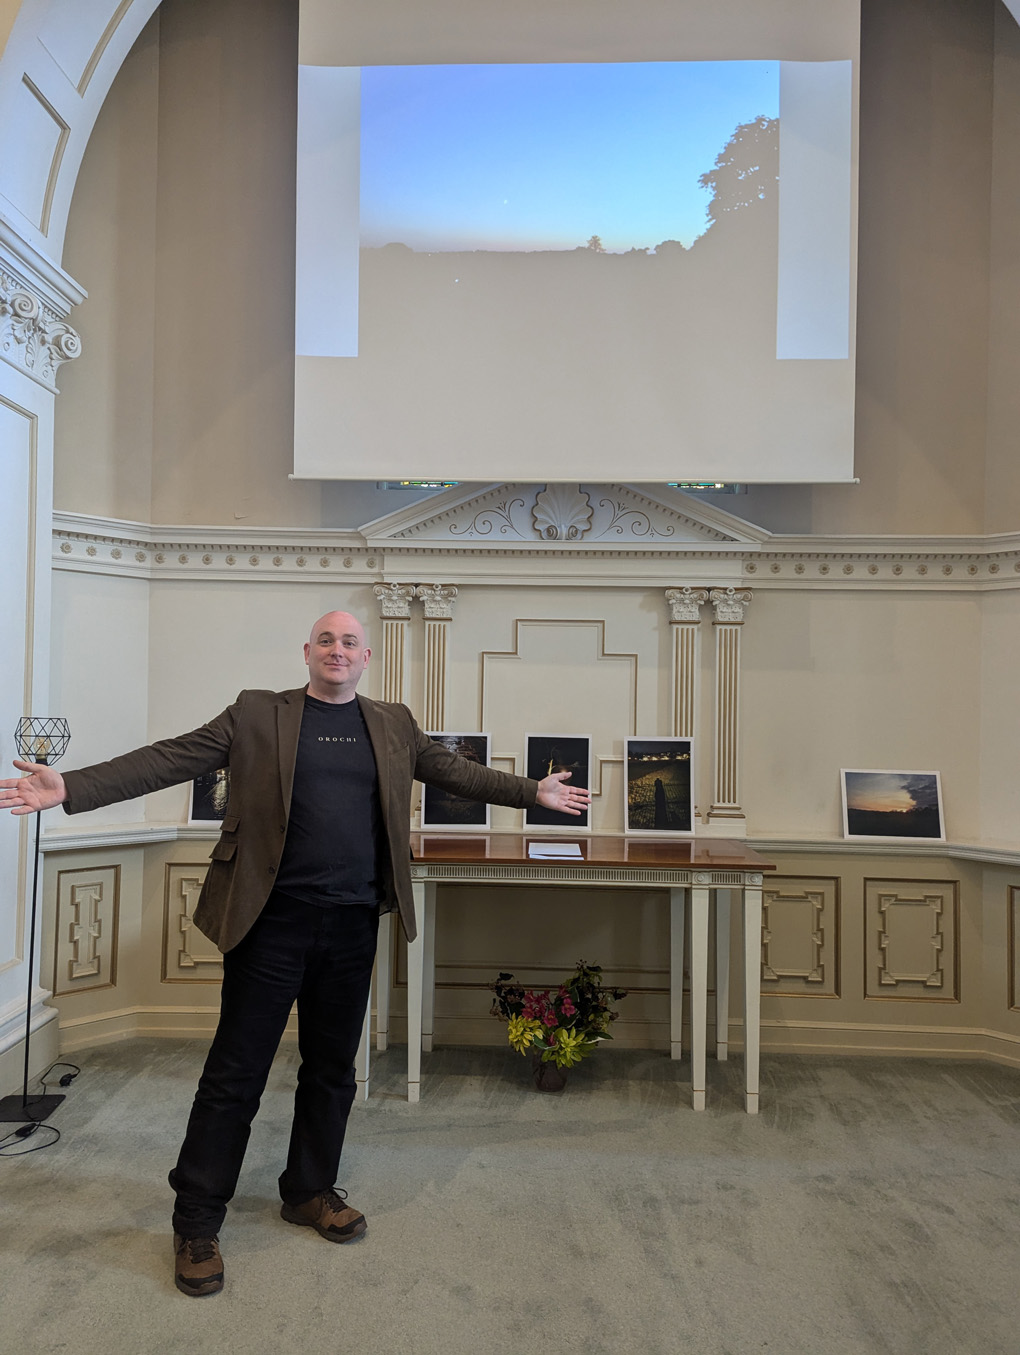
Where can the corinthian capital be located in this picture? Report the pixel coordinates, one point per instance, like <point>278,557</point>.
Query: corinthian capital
<point>685,603</point>
<point>394,600</point>
<point>438,600</point>
<point>32,336</point>
<point>730,604</point>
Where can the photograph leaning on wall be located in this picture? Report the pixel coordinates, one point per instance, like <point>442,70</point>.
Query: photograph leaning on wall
<point>884,805</point>
<point>209,795</point>
<point>658,786</point>
<point>548,753</point>
<point>441,808</point>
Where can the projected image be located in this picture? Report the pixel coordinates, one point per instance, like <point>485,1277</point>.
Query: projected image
<point>615,158</point>
<point>565,260</point>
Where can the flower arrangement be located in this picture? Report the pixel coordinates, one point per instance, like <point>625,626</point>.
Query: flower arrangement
<point>559,1025</point>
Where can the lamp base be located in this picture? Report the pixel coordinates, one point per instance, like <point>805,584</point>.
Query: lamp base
<point>38,1108</point>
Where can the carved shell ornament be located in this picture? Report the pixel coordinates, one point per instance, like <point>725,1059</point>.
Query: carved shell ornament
<point>562,513</point>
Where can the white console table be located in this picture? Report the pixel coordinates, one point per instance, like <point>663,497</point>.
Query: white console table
<point>691,869</point>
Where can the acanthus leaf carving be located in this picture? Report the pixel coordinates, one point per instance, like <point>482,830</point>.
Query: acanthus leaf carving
<point>32,335</point>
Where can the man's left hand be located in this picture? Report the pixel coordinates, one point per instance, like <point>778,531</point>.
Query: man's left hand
<point>554,793</point>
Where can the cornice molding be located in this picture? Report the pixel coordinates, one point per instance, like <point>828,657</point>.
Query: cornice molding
<point>84,542</point>
<point>145,833</point>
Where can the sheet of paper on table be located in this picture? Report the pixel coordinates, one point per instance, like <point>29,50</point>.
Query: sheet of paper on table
<point>551,849</point>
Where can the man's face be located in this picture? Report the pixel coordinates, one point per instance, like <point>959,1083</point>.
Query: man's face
<point>336,656</point>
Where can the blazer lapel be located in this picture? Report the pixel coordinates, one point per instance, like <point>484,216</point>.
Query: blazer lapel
<point>288,730</point>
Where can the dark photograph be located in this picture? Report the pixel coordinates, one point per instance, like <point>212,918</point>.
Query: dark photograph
<point>440,808</point>
<point>658,786</point>
<point>209,796</point>
<point>548,753</point>
<point>892,804</point>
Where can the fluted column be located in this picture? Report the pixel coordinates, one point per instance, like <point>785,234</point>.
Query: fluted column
<point>438,600</point>
<point>730,604</point>
<point>395,610</point>
<point>685,606</point>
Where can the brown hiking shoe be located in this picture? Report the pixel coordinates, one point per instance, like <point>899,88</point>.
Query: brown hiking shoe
<point>329,1214</point>
<point>199,1266</point>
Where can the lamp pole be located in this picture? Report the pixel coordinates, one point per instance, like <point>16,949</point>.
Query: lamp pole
<point>41,739</point>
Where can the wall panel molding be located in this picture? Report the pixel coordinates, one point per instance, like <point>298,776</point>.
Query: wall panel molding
<point>188,956</point>
<point>800,936</point>
<point>911,940</point>
<point>86,929</point>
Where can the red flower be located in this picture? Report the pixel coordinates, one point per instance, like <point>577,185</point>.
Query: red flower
<point>550,1019</point>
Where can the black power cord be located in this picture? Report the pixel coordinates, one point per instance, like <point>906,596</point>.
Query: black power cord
<point>10,1143</point>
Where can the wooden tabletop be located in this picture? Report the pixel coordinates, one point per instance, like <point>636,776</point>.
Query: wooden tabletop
<point>512,849</point>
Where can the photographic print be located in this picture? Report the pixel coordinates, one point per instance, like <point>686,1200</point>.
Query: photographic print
<point>209,796</point>
<point>440,808</point>
<point>658,786</point>
<point>892,804</point>
<point>547,753</point>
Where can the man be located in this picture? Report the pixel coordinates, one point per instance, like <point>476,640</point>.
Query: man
<point>314,844</point>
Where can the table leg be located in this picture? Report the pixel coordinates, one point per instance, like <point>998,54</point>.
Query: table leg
<point>363,1056</point>
<point>384,981</point>
<point>428,926</point>
<point>699,992</point>
<point>677,910</point>
<point>415,971</point>
<point>752,995</point>
<point>722,974</point>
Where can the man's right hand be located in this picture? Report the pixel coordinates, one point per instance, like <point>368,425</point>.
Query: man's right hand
<point>41,787</point>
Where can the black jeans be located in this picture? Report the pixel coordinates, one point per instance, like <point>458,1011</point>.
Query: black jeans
<point>322,958</point>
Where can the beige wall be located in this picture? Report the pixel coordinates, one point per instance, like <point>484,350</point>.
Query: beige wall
<point>179,412</point>
<point>203,225</point>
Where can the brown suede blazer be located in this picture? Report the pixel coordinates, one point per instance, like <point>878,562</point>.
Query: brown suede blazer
<point>257,738</point>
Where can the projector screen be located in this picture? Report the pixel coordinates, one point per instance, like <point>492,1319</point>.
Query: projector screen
<point>547,267</point>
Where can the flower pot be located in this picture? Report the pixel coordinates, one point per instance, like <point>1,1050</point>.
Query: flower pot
<point>548,1078</point>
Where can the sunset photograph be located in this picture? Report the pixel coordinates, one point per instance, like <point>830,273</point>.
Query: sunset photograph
<point>892,804</point>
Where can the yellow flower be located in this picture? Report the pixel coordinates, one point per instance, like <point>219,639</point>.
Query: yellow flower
<point>521,1032</point>
<point>571,1048</point>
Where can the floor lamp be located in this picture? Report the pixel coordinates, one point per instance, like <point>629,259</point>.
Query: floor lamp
<point>41,739</point>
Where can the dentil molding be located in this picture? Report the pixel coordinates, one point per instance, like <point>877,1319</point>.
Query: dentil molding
<point>684,566</point>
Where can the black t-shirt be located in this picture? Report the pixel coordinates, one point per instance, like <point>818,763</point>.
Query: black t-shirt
<point>335,834</point>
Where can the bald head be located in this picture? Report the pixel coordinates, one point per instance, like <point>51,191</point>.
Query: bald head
<point>336,655</point>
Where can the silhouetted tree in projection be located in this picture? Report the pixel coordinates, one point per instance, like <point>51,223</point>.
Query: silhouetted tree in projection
<point>746,169</point>
<point>595,244</point>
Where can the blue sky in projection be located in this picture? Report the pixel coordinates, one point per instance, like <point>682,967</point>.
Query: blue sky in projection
<point>545,156</point>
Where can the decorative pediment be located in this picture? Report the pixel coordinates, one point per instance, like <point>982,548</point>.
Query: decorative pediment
<point>563,517</point>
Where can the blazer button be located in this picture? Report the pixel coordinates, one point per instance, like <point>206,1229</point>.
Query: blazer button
<point>272,870</point>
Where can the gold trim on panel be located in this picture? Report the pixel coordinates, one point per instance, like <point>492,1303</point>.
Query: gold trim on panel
<point>837,969</point>
<point>102,44</point>
<point>515,653</point>
<point>165,976</point>
<point>58,152</point>
<point>953,930</point>
<point>111,982</point>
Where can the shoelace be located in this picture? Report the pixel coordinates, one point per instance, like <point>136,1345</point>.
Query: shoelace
<point>334,1199</point>
<point>201,1249</point>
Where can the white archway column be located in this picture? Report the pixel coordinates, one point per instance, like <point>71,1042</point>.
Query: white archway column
<point>395,610</point>
<point>438,600</point>
<point>730,605</point>
<point>35,340</point>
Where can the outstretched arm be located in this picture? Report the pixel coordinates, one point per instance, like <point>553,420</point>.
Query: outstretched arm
<point>554,793</point>
<point>41,788</point>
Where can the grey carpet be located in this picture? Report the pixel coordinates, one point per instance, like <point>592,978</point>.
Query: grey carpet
<point>871,1207</point>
